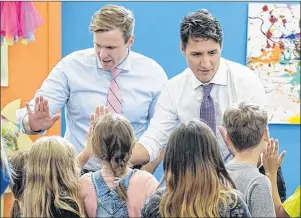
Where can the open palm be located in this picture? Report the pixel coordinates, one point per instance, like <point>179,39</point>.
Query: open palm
<point>40,118</point>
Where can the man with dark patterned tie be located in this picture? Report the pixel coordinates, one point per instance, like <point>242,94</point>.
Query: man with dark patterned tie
<point>203,91</point>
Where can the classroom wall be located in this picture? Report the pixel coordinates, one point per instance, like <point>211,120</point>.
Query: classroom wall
<point>157,36</point>
<point>29,65</point>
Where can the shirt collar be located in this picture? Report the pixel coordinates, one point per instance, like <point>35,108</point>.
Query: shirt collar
<point>220,77</point>
<point>125,66</point>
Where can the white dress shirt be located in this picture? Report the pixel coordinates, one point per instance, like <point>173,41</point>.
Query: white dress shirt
<point>80,84</point>
<point>180,101</point>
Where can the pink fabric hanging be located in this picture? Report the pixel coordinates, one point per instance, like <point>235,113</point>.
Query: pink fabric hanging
<point>18,21</point>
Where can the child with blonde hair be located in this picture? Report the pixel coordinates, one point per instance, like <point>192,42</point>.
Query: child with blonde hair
<point>52,180</point>
<point>115,190</point>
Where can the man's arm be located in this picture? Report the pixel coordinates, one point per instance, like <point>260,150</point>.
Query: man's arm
<point>163,122</point>
<point>55,92</point>
<point>139,155</point>
<point>152,166</point>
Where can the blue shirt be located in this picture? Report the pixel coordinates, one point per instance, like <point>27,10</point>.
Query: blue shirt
<point>80,84</point>
<point>4,179</point>
<point>4,168</point>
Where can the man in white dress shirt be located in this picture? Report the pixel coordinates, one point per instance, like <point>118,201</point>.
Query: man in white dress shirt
<point>203,91</point>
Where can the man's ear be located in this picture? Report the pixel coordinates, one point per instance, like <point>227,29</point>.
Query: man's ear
<point>183,49</point>
<point>131,41</point>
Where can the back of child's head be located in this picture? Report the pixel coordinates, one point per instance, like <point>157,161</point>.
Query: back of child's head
<point>246,125</point>
<point>113,139</point>
<point>18,163</point>
<point>51,177</point>
<point>193,159</point>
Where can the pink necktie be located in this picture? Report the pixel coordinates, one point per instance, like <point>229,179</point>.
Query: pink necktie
<point>114,99</point>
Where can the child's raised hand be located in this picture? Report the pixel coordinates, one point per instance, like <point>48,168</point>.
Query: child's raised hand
<point>271,160</point>
<point>100,111</point>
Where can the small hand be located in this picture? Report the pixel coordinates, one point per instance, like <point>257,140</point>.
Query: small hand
<point>271,160</point>
<point>40,118</point>
<point>100,111</point>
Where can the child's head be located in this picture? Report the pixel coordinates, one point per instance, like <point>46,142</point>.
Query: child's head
<point>247,126</point>
<point>193,159</point>
<point>113,139</point>
<point>51,176</point>
<point>18,163</point>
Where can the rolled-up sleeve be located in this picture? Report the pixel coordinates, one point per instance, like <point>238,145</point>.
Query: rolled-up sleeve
<point>164,120</point>
<point>54,88</point>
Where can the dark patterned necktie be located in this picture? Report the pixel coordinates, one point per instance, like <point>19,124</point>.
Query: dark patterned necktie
<point>207,112</point>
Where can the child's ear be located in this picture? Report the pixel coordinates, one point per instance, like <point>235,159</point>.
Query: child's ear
<point>227,139</point>
<point>266,135</point>
<point>229,145</point>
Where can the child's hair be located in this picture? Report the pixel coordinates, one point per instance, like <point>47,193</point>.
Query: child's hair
<point>18,163</point>
<point>197,182</point>
<point>113,139</point>
<point>52,178</point>
<point>245,124</point>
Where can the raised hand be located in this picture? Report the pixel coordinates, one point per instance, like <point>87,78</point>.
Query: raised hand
<point>100,111</point>
<point>271,160</point>
<point>40,118</point>
<point>87,152</point>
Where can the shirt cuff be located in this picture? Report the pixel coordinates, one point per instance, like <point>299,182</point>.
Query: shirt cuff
<point>153,148</point>
<point>26,128</point>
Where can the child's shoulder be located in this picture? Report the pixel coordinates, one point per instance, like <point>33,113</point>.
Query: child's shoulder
<point>86,178</point>
<point>141,176</point>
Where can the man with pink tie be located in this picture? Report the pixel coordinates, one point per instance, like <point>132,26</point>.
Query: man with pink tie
<point>110,74</point>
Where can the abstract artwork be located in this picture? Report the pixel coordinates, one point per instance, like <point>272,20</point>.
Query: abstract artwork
<point>273,53</point>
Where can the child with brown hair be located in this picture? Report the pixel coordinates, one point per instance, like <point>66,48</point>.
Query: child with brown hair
<point>115,190</point>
